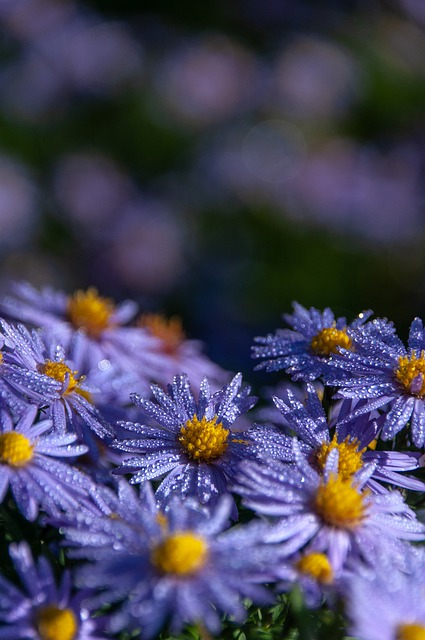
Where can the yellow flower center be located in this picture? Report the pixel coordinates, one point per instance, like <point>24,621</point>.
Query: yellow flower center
<point>182,554</point>
<point>328,341</point>
<point>350,457</point>
<point>410,632</point>
<point>89,311</point>
<point>317,566</point>
<point>339,504</point>
<point>15,449</point>
<point>58,371</point>
<point>204,440</point>
<point>56,624</point>
<point>410,373</point>
<point>168,330</point>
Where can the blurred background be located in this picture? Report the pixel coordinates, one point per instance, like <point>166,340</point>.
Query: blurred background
<point>217,160</point>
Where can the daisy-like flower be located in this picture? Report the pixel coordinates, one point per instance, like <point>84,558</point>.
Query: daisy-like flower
<point>386,603</point>
<point>182,566</point>
<point>312,572</point>
<point>171,352</point>
<point>305,350</point>
<point>355,441</point>
<point>30,467</point>
<point>42,609</point>
<point>34,366</point>
<point>90,327</point>
<point>386,374</point>
<point>195,445</point>
<point>326,512</point>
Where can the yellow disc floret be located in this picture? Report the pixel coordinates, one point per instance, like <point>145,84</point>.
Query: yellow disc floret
<point>317,566</point>
<point>410,373</point>
<point>182,554</point>
<point>339,504</point>
<point>90,312</point>
<point>410,632</point>
<point>58,371</point>
<point>16,449</point>
<point>168,330</point>
<point>328,340</point>
<point>204,440</point>
<point>350,456</point>
<point>54,623</point>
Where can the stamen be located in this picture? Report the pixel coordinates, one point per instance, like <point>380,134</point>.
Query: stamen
<point>54,624</point>
<point>339,504</point>
<point>410,632</point>
<point>328,340</point>
<point>58,371</point>
<point>90,312</point>
<point>350,456</point>
<point>168,330</point>
<point>410,373</point>
<point>16,449</point>
<point>317,566</point>
<point>204,440</point>
<point>182,554</point>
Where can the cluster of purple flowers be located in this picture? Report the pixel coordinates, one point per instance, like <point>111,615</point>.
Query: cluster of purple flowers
<point>322,485</point>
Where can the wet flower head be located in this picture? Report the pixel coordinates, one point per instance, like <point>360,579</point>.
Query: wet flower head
<point>168,330</point>
<point>329,340</point>
<point>182,553</point>
<point>204,440</point>
<point>90,312</point>
<point>350,456</point>
<point>16,449</point>
<point>410,373</point>
<point>339,504</point>
<point>54,623</point>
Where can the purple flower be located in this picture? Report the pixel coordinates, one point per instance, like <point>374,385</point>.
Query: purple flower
<point>354,441</point>
<point>386,603</point>
<point>28,465</point>
<point>42,609</point>
<point>386,374</point>
<point>195,445</point>
<point>34,366</point>
<point>306,350</point>
<point>326,512</point>
<point>182,566</point>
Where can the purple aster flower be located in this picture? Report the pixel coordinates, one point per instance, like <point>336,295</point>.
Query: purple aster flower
<point>326,512</point>
<point>354,440</point>
<point>311,572</point>
<point>386,374</point>
<point>42,610</point>
<point>90,327</point>
<point>386,603</point>
<point>30,468</point>
<point>306,350</point>
<point>195,445</point>
<point>34,366</point>
<point>182,566</point>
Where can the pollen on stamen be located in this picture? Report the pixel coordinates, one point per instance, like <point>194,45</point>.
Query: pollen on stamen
<point>58,371</point>
<point>328,340</point>
<point>90,312</point>
<point>339,504</point>
<point>54,623</point>
<point>204,440</point>
<point>410,632</point>
<point>410,373</point>
<point>317,566</point>
<point>182,553</point>
<point>350,456</point>
<point>16,449</point>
